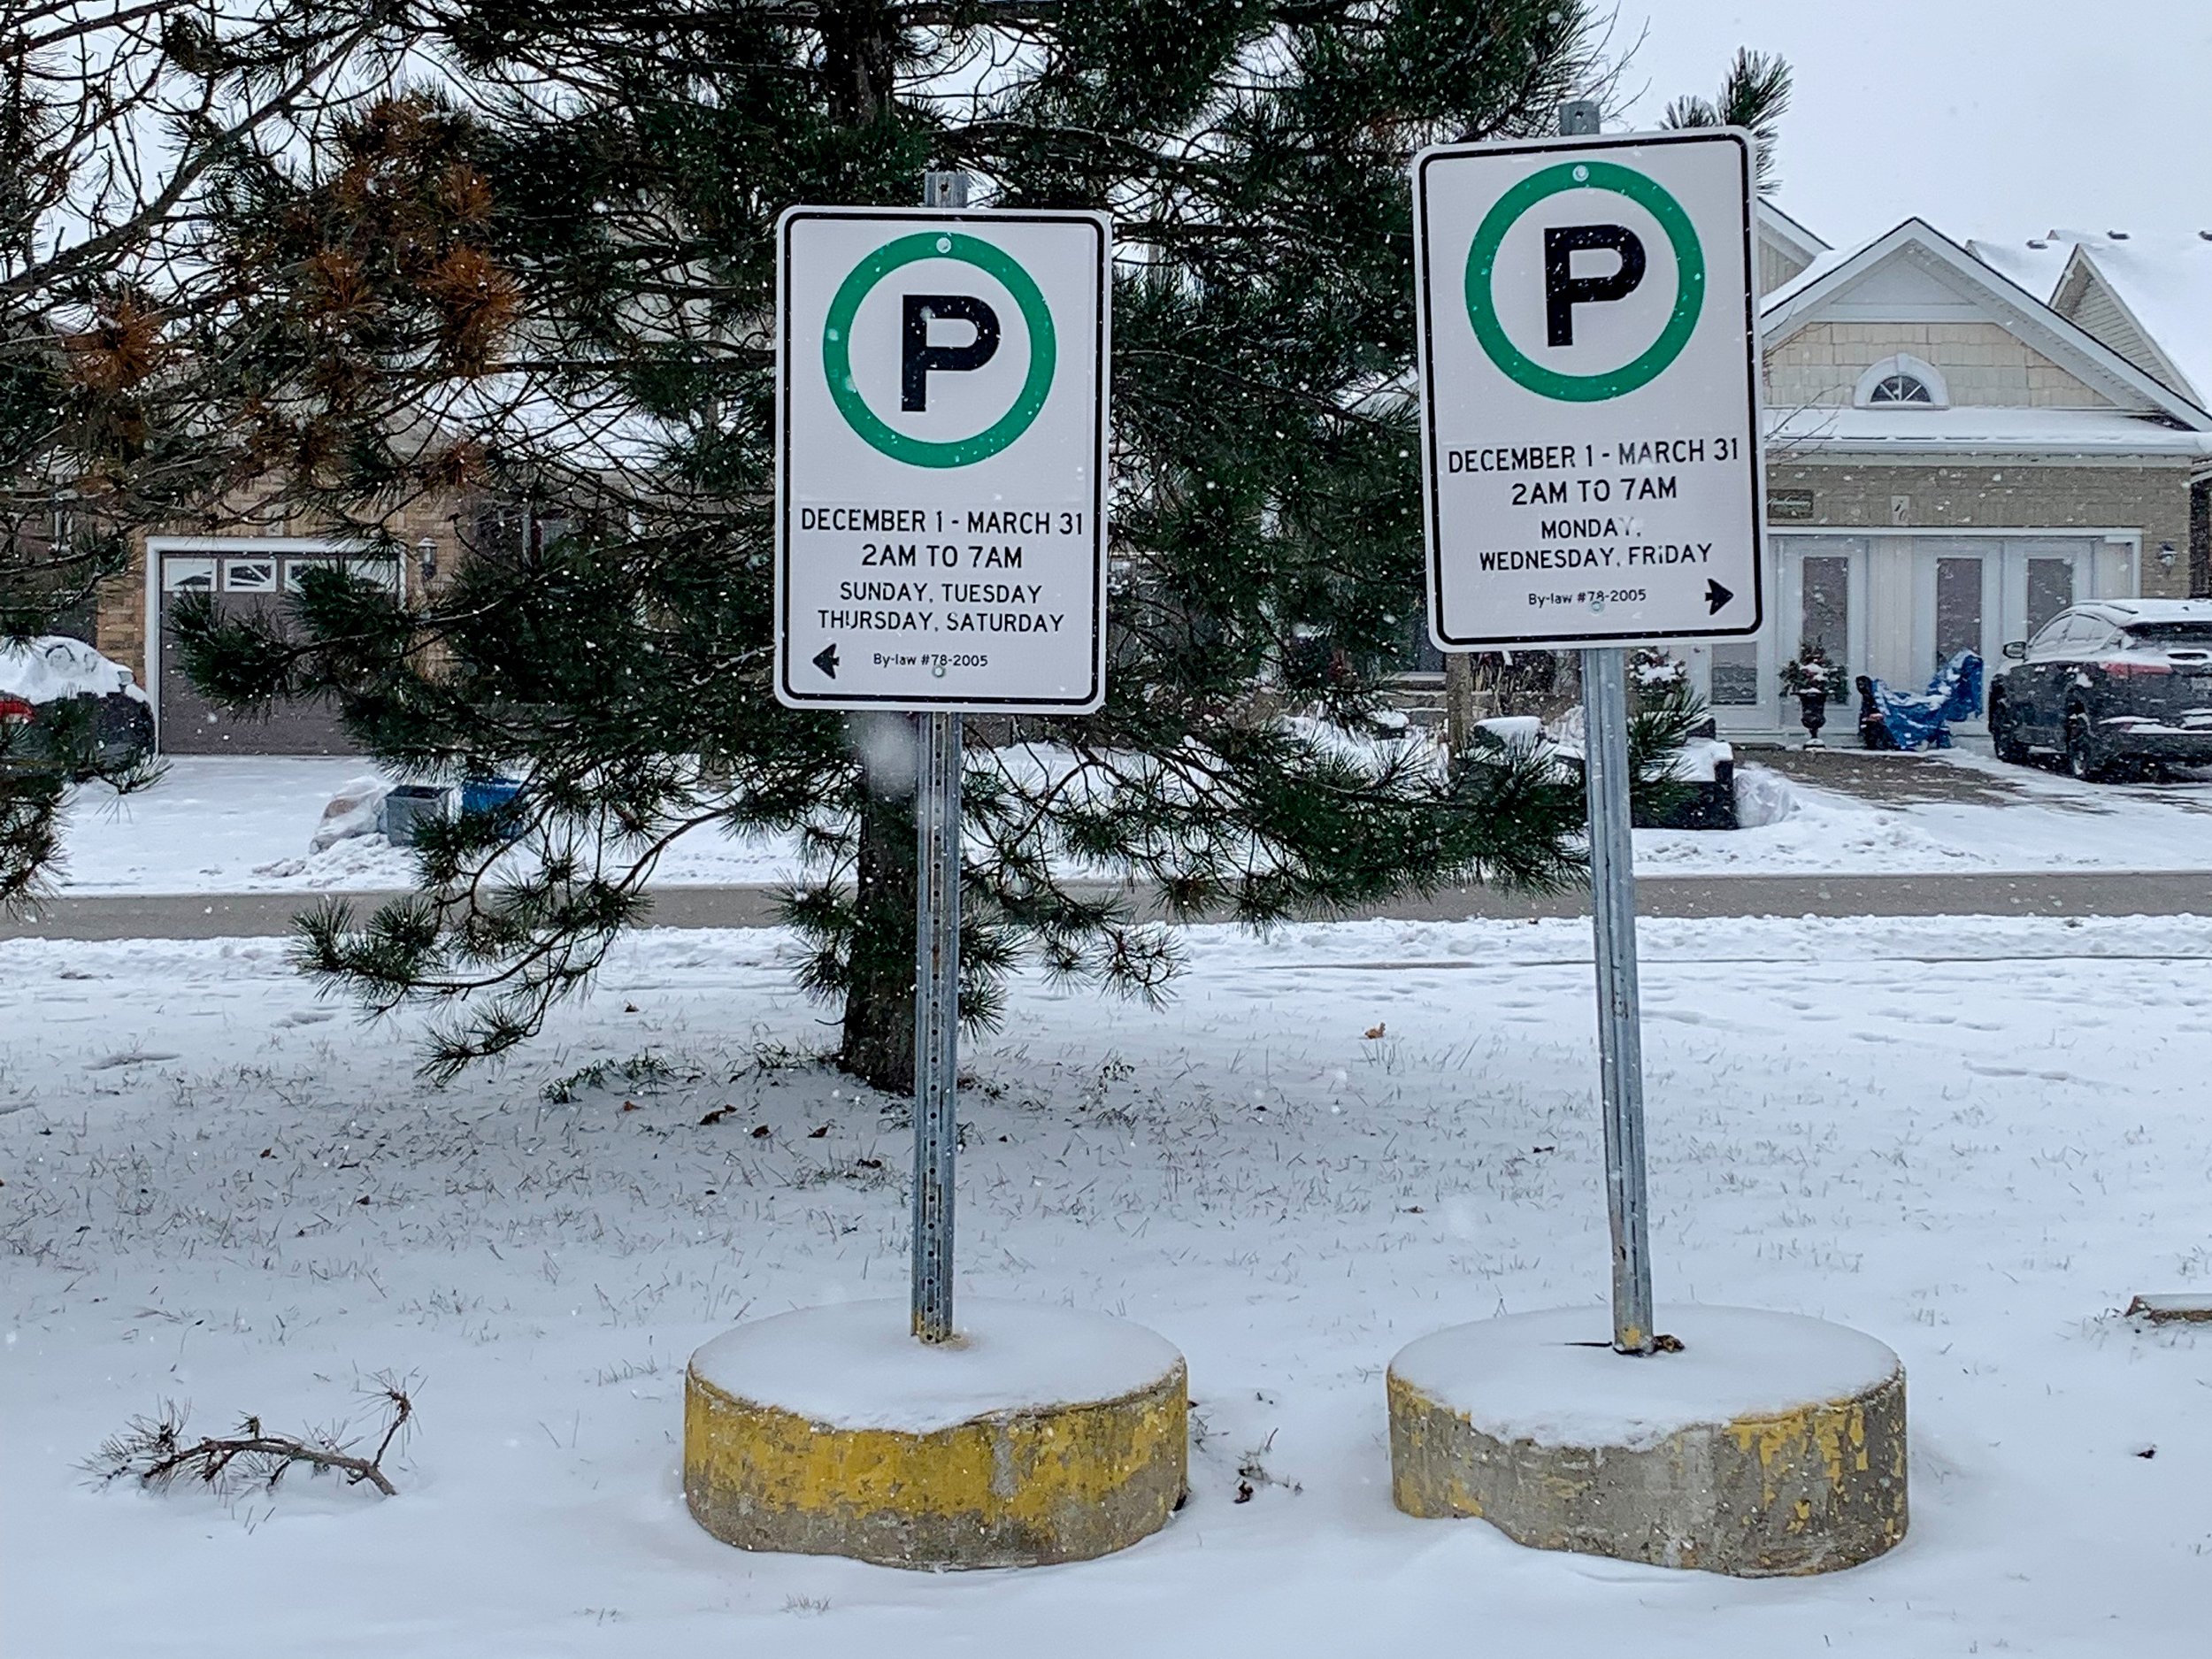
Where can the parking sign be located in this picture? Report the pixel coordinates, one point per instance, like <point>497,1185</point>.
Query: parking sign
<point>1590,389</point>
<point>941,467</point>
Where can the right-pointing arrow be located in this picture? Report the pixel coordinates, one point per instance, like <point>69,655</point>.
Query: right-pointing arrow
<point>1716,596</point>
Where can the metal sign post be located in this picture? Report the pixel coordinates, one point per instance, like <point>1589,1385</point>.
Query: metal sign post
<point>1620,1009</point>
<point>940,540</point>
<point>936,1017</point>
<point>936,972</point>
<point>1613,936</point>
<point>1590,406</point>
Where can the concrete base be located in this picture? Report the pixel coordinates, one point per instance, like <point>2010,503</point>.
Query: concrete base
<point>1771,1445</point>
<point>1042,1435</point>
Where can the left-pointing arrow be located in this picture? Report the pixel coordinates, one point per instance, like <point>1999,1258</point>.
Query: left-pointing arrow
<point>825,659</point>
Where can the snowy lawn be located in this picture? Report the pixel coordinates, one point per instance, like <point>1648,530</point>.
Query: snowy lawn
<point>225,825</point>
<point>1973,1140</point>
<point>221,823</point>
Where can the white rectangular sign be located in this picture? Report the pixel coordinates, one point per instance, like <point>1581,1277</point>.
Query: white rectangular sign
<point>941,468</point>
<point>1589,389</point>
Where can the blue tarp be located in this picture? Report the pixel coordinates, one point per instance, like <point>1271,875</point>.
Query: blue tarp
<point>1922,719</point>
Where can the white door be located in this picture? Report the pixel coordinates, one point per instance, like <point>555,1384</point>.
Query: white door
<point>2042,576</point>
<point>1958,595</point>
<point>1823,600</point>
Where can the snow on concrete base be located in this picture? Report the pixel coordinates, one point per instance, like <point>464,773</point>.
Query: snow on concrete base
<point>1042,1434</point>
<point>1770,1444</point>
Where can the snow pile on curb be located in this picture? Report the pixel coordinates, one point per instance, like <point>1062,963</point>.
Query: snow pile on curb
<point>855,1365</point>
<point>1764,796</point>
<point>356,810</point>
<point>54,668</point>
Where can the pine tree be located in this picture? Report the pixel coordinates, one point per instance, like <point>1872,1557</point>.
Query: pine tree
<point>114,117</point>
<point>546,280</point>
<point>1755,95</point>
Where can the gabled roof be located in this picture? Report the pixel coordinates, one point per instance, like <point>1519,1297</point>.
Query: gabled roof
<point>2160,289</point>
<point>1915,265</point>
<point>1787,233</point>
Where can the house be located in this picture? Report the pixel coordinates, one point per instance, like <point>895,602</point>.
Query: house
<point>1950,461</point>
<point>2149,297</point>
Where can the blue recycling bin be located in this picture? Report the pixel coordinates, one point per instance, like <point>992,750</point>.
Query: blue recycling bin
<point>490,794</point>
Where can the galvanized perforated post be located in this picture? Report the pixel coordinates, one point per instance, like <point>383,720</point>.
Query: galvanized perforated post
<point>936,1018</point>
<point>936,972</point>
<point>1620,1028</point>
<point>1613,927</point>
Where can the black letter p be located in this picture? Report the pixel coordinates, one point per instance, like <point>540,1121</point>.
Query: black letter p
<point>918,356</point>
<point>1564,290</point>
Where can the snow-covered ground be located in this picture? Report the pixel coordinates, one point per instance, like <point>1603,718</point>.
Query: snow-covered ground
<point>242,825</point>
<point>218,825</point>
<point>1971,1139</point>
<point>2052,823</point>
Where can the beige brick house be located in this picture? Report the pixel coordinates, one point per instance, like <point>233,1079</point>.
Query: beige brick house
<point>1950,461</point>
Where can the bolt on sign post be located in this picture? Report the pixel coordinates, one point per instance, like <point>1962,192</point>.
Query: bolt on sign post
<point>940,546</point>
<point>1590,404</point>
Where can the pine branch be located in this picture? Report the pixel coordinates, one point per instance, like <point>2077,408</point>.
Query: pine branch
<point>1755,95</point>
<point>155,1452</point>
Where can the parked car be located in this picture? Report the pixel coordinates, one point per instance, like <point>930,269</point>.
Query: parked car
<point>59,696</point>
<point>2112,685</point>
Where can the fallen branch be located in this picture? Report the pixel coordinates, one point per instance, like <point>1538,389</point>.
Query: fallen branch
<point>156,1453</point>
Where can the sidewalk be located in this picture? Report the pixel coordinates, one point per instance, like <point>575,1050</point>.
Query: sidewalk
<point>1965,893</point>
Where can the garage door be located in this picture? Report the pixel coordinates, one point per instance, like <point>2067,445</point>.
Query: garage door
<point>247,583</point>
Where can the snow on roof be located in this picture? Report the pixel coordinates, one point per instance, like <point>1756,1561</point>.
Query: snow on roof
<point>2034,265</point>
<point>2016,308</point>
<point>1823,264</point>
<point>2163,281</point>
<point>1980,430</point>
<point>2166,283</point>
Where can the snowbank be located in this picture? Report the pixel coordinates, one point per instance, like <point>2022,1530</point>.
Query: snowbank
<point>1764,796</point>
<point>240,825</point>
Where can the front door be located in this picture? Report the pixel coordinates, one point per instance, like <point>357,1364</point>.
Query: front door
<point>1958,594</point>
<point>1824,607</point>
<point>2042,576</point>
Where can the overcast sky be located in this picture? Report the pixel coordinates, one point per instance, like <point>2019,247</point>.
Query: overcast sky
<point>1987,117</point>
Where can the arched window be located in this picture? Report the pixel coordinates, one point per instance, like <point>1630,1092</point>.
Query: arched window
<point>1902,381</point>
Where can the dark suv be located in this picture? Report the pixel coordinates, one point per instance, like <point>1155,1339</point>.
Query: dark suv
<point>2116,683</point>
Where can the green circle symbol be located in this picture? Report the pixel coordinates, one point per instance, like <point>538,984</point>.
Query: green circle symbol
<point>837,361</point>
<point>1482,260</point>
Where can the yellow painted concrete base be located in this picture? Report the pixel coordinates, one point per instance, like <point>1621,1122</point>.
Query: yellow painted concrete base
<point>1021,1484</point>
<point>1562,1446</point>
